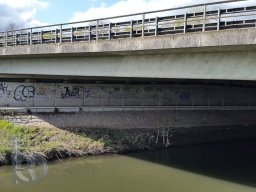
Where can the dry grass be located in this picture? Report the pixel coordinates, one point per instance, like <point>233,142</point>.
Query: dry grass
<point>47,141</point>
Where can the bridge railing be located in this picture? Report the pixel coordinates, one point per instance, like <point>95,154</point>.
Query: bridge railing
<point>194,18</point>
<point>142,101</point>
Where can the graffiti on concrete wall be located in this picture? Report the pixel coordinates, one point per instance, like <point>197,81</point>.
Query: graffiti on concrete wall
<point>184,96</point>
<point>87,92</point>
<point>41,89</point>
<point>44,94</point>
<point>71,92</point>
<point>22,92</point>
<point>3,88</point>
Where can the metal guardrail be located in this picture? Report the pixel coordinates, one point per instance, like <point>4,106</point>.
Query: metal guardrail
<point>161,22</point>
<point>125,108</point>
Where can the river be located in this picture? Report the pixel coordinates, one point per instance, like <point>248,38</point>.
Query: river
<point>216,167</point>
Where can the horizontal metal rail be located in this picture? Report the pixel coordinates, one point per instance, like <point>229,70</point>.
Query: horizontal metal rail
<point>152,23</point>
<point>126,108</point>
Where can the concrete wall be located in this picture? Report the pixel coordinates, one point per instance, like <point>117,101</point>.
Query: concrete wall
<point>69,95</point>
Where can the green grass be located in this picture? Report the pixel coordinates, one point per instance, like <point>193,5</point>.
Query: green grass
<point>41,140</point>
<point>57,143</point>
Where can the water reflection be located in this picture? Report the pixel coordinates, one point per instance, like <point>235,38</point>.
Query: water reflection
<point>221,167</point>
<point>232,161</point>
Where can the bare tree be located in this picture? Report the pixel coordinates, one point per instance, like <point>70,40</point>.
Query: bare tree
<point>10,26</point>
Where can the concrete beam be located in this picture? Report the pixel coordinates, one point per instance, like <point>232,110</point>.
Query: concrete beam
<point>213,65</point>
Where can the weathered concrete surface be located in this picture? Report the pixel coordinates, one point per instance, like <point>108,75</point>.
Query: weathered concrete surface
<point>226,40</point>
<point>217,55</point>
<point>20,94</point>
<point>238,65</point>
<point>139,120</point>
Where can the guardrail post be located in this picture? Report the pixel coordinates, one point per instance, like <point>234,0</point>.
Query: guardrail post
<point>185,23</point>
<point>71,37</point>
<point>31,39</point>
<point>97,30</point>
<point>143,25</point>
<point>6,39</point>
<point>131,29</point>
<point>156,27</point>
<point>56,35</point>
<point>204,18</point>
<point>90,33</point>
<point>42,38</point>
<point>219,20</point>
<point>109,31</point>
<point>15,36</point>
<point>28,38</point>
<point>60,33</point>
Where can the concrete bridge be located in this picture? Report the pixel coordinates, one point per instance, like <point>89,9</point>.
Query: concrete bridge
<point>195,57</point>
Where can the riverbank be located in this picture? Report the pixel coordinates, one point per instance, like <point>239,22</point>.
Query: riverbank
<point>54,143</point>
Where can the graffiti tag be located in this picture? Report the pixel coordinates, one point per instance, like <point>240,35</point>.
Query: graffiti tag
<point>23,92</point>
<point>3,87</point>
<point>87,93</point>
<point>41,89</point>
<point>185,96</point>
<point>74,92</point>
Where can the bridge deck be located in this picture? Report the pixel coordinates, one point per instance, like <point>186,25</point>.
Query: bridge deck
<point>151,24</point>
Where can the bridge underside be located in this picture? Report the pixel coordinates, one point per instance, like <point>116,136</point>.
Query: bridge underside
<point>105,95</point>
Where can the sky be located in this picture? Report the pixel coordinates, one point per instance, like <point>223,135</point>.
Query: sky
<point>29,13</point>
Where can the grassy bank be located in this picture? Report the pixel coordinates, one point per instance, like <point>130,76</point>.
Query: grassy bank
<point>55,143</point>
<point>52,143</point>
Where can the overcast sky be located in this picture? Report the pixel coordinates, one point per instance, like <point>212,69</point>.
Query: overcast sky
<point>41,12</point>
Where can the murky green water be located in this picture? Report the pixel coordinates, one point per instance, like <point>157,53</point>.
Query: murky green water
<point>221,167</point>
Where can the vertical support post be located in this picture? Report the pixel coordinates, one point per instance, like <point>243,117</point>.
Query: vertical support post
<point>83,96</point>
<point>90,33</point>
<point>194,97</point>
<point>56,35</point>
<point>143,25</point>
<point>31,38</point>
<point>42,39</point>
<point>109,31</point>
<point>131,29</point>
<point>219,20</point>
<point>33,98</point>
<point>122,91</point>
<point>159,100</point>
<point>6,39</point>
<point>15,38</point>
<point>204,18</point>
<point>71,35</point>
<point>60,33</point>
<point>193,102</point>
<point>143,99</point>
<point>54,97</point>
<point>223,103</point>
<point>28,38</point>
<point>102,100</point>
<point>185,23</point>
<point>97,30</point>
<point>156,27</point>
